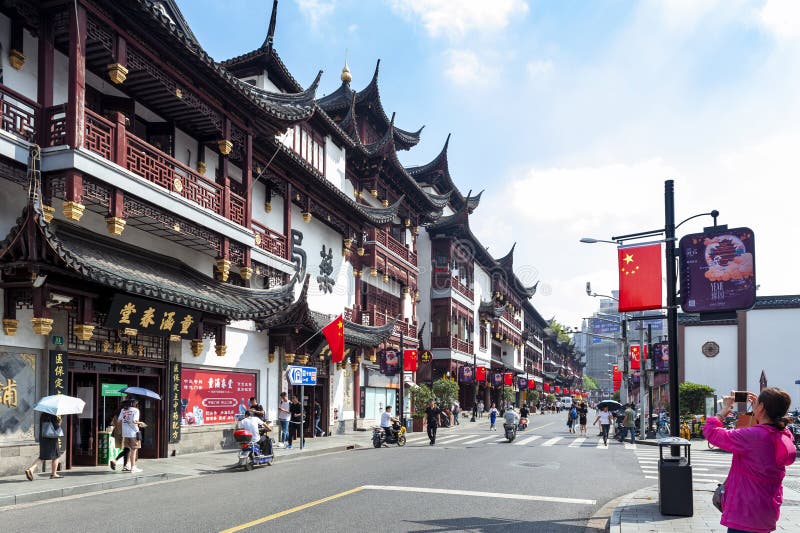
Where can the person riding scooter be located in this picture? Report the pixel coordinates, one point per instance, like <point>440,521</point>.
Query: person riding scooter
<point>253,424</point>
<point>523,417</point>
<point>511,417</point>
<point>387,423</point>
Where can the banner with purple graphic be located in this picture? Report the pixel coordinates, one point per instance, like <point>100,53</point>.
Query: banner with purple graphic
<point>522,383</point>
<point>389,361</point>
<point>661,357</point>
<point>465,374</point>
<point>497,379</point>
<point>718,271</point>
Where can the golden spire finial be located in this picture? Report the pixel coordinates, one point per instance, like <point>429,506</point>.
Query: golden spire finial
<point>346,77</point>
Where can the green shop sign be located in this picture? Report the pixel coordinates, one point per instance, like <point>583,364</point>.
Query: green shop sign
<point>112,389</point>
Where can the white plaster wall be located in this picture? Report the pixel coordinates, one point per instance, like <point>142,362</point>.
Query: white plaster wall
<point>315,235</point>
<point>146,113</point>
<point>770,347</point>
<point>186,148</point>
<point>23,81</point>
<point>483,292</point>
<point>247,349</point>
<point>335,164</point>
<point>103,85</point>
<point>25,337</point>
<point>273,219</point>
<point>60,78</point>
<point>718,372</point>
<point>12,202</point>
<point>424,284</point>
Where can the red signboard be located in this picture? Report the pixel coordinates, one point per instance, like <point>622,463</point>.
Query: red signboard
<point>213,396</point>
<point>410,360</point>
<point>508,378</point>
<point>480,373</point>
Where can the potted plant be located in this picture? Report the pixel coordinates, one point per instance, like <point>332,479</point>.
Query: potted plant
<point>420,396</point>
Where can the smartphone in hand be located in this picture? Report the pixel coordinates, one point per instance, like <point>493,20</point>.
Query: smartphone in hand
<point>740,396</point>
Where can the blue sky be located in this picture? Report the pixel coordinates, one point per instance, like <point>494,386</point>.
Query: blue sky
<point>570,114</point>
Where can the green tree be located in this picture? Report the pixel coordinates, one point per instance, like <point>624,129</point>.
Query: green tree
<point>692,397</point>
<point>420,396</point>
<point>445,392</point>
<point>551,398</point>
<point>508,394</point>
<point>533,397</point>
<point>589,383</point>
<point>560,331</point>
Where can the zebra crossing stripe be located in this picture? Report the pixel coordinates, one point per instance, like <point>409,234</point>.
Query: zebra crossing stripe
<point>551,441</point>
<point>601,445</point>
<point>528,440</point>
<point>451,439</point>
<point>577,442</point>
<point>480,439</point>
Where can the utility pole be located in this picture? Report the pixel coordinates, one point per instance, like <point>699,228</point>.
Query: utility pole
<point>402,382</point>
<point>672,308</point>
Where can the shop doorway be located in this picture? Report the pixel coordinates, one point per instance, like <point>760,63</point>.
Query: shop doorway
<point>86,382</point>
<point>317,393</point>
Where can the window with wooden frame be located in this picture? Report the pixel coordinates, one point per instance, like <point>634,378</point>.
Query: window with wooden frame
<point>309,146</point>
<point>484,336</point>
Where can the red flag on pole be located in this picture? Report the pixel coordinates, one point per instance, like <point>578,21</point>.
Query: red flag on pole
<point>636,359</point>
<point>508,379</point>
<point>639,277</point>
<point>334,333</point>
<point>531,384</point>
<point>547,387</point>
<point>480,373</point>
<point>410,360</point>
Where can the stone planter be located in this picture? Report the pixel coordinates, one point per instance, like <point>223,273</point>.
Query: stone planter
<point>418,424</point>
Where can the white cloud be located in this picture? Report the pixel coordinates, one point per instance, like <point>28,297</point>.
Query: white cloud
<point>316,11</point>
<point>467,69</point>
<point>781,17</point>
<point>456,18</point>
<point>538,68</point>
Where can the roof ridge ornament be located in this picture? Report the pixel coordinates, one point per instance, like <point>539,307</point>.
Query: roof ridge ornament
<point>346,77</point>
<point>270,40</point>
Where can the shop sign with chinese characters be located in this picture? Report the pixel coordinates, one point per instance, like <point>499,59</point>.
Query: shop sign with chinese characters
<point>214,396</point>
<point>58,372</point>
<point>174,402</point>
<point>151,317</point>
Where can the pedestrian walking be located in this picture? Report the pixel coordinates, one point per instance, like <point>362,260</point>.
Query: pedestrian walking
<point>317,417</point>
<point>283,417</point>
<point>481,408</point>
<point>117,434</point>
<point>456,411</point>
<point>605,418</point>
<point>492,418</point>
<point>49,432</point>
<point>432,414</point>
<point>582,412</point>
<point>131,434</point>
<point>572,418</point>
<point>629,424</point>
<point>753,491</point>
<point>295,421</point>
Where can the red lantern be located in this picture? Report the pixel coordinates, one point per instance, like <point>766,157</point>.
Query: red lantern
<point>508,379</point>
<point>480,373</point>
<point>531,384</point>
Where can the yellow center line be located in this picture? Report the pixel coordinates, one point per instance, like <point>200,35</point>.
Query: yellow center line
<point>292,510</point>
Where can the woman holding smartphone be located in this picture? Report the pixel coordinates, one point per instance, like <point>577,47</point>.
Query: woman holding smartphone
<point>753,491</point>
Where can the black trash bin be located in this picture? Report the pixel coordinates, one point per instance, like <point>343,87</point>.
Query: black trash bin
<point>675,478</point>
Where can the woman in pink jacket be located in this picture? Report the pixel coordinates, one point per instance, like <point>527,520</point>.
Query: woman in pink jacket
<point>753,491</point>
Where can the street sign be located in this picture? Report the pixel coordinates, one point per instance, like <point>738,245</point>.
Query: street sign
<point>58,340</point>
<point>302,375</point>
<point>112,389</point>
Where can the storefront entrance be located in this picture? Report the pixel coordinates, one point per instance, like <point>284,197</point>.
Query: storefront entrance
<point>86,378</point>
<point>317,393</point>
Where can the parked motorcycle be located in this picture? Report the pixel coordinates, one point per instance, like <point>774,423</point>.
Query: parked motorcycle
<point>794,427</point>
<point>379,437</point>
<point>251,454</point>
<point>511,431</point>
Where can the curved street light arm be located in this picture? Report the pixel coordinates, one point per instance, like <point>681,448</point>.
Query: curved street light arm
<point>713,214</point>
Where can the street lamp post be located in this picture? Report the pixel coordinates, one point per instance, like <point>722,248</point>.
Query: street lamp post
<point>474,384</point>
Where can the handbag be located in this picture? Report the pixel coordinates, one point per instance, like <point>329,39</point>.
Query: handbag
<point>719,496</point>
<point>138,435</point>
<point>49,431</point>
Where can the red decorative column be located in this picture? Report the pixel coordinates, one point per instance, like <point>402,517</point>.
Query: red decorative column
<point>73,195</point>
<point>115,223</point>
<point>287,220</point>
<point>76,92</point>
<point>118,70</point>
<point>44,79</point>
<point>223,266</point>
<point>247,179</point>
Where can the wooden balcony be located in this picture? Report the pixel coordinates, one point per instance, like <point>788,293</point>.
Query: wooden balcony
<point>443,280</point>
<point>452,343</point>
<point>269,240</point>
<point>112,141</point>
<point>373,317</point>
<point>19,115</point>
<point>512,319</point>
<point>397,249</point>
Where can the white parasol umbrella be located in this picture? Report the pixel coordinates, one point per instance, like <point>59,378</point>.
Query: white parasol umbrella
<point>60,404</point>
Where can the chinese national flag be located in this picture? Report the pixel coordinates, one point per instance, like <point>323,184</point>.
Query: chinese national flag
<point>639,277</point>
<point>547,387</point>
<point>480,373</point>
<point>508,379</point>
<point>410,360</point>
<point>334,333</point>
<point>636,359</point>
<point>531,384</point>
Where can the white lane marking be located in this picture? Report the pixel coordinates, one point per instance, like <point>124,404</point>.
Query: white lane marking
<point>601,445</point>
<point>542,426</point>
<point>551,441</point>
<point>448,440</point>
<point>525,441</point>
<point>479,440</point>
<point>501,495</point>
<point>577,442</point>
<point>629,446</point>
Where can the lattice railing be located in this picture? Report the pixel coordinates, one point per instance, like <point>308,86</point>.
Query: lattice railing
<point>238,206</point>
<point>57,125</point>
<point>395,247</point>
<point>269,240</point>
<point>463,289</point>
<point>99,135</point>
<point>18,114</point>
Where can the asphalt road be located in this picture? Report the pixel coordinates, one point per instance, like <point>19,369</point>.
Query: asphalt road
<point>471,480</point>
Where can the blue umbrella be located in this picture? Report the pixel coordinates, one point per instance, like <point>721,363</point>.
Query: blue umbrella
<point>140,391</point>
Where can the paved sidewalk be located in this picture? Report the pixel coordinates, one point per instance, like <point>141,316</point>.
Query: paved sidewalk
<point>638,512</point>
<point>84,479</point>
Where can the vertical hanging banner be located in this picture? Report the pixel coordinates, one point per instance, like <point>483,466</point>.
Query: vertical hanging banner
<point>531,384</point>
<point>497,379</point>
<point>480,373</point>
<point>508,379</point>
<point>546,387</point>
<point>174,411</point>
<point>636,356</point>
<point>57,382</point>
<point>465,374</point>
<point>640,277</point>
<point>522,383</point>
<point>718,271</point>
<point>410,363</point>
